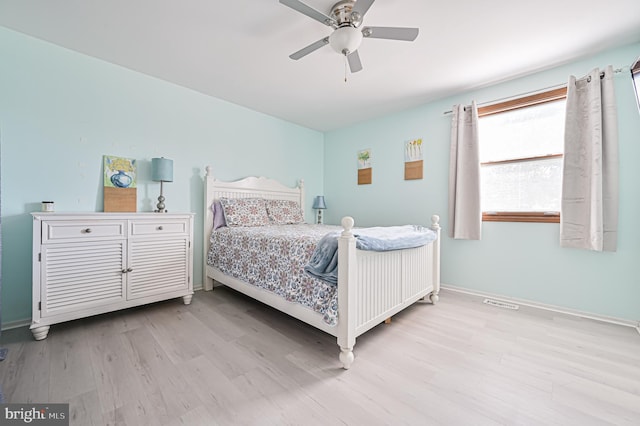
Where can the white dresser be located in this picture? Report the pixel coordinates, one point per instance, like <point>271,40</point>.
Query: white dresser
<point>91,263</point>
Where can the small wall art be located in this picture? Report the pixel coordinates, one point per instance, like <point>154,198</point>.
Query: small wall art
<point>120,194</point>
<point>413,159</point>
<point>364,167</point>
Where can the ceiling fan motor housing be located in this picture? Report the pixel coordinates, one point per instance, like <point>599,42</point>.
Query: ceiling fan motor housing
<point>342,13</point>
<point>346,38</point>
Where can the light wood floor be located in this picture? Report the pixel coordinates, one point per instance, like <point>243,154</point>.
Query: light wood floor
<point>229,360</point>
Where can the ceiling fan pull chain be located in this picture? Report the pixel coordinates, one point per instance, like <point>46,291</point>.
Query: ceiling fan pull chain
<point>345,68</point>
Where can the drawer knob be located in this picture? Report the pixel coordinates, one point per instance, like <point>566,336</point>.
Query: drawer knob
<point>87,231</point>
<point>159,228</point>
<point>124,271</point>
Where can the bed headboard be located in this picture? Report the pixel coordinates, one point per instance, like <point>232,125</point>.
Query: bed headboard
<point>250,187</point>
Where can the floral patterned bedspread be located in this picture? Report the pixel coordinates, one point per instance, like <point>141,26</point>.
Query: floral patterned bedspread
<point>273,257</point>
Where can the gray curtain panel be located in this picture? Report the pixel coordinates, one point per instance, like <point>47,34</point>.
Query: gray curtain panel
<point>465,214</point>
<point>589,207</point>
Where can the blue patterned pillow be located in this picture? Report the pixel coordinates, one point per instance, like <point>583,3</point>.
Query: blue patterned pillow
<point>244,211</point>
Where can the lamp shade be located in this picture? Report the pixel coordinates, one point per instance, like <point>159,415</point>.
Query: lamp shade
<point>162,169</point>
<point>318,202</point>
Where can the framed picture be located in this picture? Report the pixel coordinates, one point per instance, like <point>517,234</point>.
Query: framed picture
<point>364,167</point>
<point>413,159</point>
<point>120,193</point>
<point>119,172</point>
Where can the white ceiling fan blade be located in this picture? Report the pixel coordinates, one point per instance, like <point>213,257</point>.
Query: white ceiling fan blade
<point>362,6</point>
<point>354,62</point>
<point>391,33</point>
<point>310,48</point>
<point>309,11</point>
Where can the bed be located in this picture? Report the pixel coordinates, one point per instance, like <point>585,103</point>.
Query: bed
<point>371,287</point>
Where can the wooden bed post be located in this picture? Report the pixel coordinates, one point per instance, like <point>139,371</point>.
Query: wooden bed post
<point>346,293</point>
<point>435,226</point>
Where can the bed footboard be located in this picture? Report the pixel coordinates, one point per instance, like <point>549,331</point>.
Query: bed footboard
<point>373,286</point>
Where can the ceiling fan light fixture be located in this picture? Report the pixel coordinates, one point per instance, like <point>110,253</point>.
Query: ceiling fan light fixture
<point>345,18</point>
<point>345,40</point>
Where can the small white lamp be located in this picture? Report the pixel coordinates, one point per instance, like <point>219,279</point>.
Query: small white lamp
<point>319,204</point>
<point>161,171</point>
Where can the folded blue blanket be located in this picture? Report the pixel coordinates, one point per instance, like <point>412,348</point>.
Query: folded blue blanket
<point>324,260</point>
<point>385,238</point>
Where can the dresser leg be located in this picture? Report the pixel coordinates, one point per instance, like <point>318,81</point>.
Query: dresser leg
<point>187,299</point>
<point>40,333</point>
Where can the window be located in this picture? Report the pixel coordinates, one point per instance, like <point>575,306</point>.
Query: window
<point>521,148</point>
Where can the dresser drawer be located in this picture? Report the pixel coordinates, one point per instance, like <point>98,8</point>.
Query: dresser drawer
<point>62,231</point>
<point>160,227</point>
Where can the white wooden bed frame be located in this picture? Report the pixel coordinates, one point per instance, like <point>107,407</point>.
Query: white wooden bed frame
<point>372,286</point>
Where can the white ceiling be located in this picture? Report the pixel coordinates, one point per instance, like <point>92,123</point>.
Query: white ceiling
<point>238,50</point>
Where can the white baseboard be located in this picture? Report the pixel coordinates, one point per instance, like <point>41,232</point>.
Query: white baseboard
<point>26,322</point>
<point>553,308</point>
<point>15,324</point>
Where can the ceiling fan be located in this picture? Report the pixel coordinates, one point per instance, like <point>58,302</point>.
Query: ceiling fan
<point>345,18</point>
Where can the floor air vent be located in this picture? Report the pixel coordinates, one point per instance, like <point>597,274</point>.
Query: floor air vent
<point>500,304</point>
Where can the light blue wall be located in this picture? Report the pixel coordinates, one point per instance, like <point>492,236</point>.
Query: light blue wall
<point>513,259</point>
<point>61,111</point>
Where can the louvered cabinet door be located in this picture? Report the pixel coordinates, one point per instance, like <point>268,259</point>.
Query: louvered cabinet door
<point>158,266</point>
<point>77,277</point>
<point>87,264</point>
